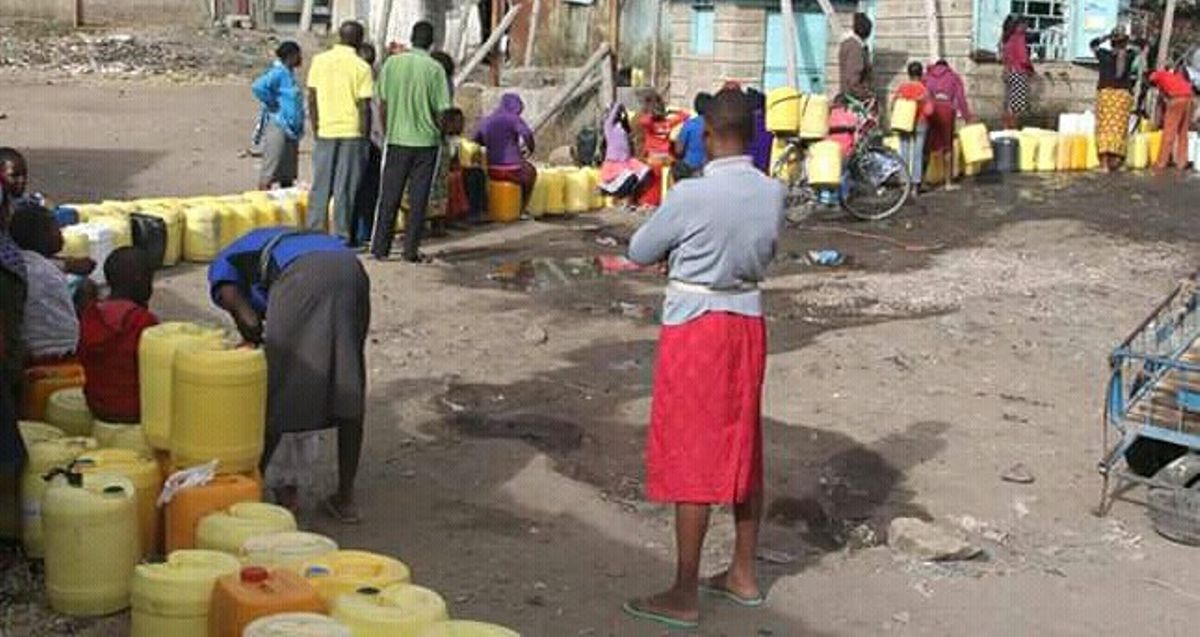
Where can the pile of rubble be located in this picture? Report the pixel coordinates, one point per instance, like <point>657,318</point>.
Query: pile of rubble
<point>176,54</point>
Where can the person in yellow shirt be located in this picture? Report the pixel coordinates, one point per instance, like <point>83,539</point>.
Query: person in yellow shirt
<point>340,87</point>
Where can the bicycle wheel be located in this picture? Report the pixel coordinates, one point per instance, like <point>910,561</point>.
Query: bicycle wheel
<point>800,198</point>
<point>879,183</point>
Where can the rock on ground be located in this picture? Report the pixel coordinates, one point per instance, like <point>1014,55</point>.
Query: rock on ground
<point>928,542</point>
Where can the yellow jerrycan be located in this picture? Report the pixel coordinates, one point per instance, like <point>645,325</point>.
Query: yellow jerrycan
<point>1064,150</point>
<point>783,111</point>
<point>290,214</point>
<point>115,435</point>
<point>228,530</point>
<point>76,244</point>
<point>1154,140</point>
<point>219,410</point>
<point>904,115</point>
<point>1139,151</point>
<point>156,361</point>
<point>343,572</point>
<point>67,409</point>
<point>1093,153</point>
<point>172,597</point>
<point>245,219</point>
<point>976,145</point>
<point>1029,149</point>
<point>286,549</point>
<point>201,233</point>
<point>91,533</point>
<point>122,229</point>
<point>504,201</point>
<point>1079,152</point>
<point>814,117</point>
<point>42,457</point>
<point>399,610</point>
<point>825,163</point>
<point>537,198</point>
<point>33,431</point>
<point>1047,152</point>
<point>595,197</point>
<point>143,473</point>
<point>461,628</point>
<point>579,187</point>
<point>556,190</point>
<point>296,625</point>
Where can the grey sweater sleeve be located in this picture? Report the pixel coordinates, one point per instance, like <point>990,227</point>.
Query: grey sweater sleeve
<point>656,237</point>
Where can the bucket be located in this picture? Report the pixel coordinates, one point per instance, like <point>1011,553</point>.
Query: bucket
<point>1007,152</point>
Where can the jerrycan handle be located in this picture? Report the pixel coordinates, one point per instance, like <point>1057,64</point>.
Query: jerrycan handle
<point>74,479</point>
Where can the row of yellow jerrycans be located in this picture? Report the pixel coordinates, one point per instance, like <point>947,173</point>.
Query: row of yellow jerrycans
<point>197,227</point>
<point>559,191</point>
<point>1046,151</point>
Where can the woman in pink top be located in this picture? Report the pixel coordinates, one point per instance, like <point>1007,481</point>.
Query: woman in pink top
<point>1014,53</point>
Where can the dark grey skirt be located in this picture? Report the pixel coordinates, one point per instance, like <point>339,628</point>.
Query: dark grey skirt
<point>318,313</point>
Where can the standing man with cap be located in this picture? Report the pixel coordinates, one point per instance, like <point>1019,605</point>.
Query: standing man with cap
<point>413,93</point>
<point>339,95</point>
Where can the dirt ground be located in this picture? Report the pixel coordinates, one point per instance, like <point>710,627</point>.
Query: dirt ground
<point>968,334</point>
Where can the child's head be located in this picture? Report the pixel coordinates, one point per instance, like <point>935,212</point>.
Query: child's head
<point>34,228</point>
<point>366,51</point>
<point>915,71</point>
<point>129,275</point>
<point>728,124</point>
<point>447,62</point>
<point>453,122</point>
<point>14,171</point>
<point>701,102</point>
<point>289,53</point>
<point>653,103</point>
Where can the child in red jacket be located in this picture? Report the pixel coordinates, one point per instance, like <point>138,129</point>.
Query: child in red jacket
<point>109,335</point>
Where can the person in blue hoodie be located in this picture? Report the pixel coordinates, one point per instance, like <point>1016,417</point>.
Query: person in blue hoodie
<point>282,117</point>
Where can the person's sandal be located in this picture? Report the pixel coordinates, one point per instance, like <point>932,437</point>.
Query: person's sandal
<point>339,512</point>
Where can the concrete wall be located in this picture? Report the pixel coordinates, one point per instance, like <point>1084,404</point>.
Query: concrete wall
<point>119,12</point>
<point>900,37</point>
<point>738,50</point>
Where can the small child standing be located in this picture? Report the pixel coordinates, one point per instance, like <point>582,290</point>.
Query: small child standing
<point>282,118</point>
<point>912,145</point>
<point>718,233</point>
<point>51,321</point>
<point>109,336</point>
<point>689,147</point>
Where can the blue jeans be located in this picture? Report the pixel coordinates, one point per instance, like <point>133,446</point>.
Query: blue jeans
<point>912,150</point>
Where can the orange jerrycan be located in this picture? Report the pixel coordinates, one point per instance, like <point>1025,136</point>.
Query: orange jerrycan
<point>504,201</point>
<point>256,592</point>
<point>190,505</point>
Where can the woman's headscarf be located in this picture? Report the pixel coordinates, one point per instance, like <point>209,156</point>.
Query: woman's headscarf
<point>511,104</point>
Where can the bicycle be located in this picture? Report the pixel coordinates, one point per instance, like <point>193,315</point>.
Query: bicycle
<point>875,179</point>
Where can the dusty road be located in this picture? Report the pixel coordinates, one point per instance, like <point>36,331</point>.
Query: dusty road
<point>974,335</point>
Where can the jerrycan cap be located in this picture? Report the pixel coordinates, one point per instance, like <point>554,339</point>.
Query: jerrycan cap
<point>317,571</point>
<point>254,575</point>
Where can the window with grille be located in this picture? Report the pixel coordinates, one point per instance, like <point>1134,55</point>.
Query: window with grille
<point>1047,21</point>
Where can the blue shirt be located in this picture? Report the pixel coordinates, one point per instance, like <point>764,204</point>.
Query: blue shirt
<point>282,99</point>
<point>691,135</point>
<point>239,263</point>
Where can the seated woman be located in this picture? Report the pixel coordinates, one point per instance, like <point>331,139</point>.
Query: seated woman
<point>508,140</point>
<point>621,175</point>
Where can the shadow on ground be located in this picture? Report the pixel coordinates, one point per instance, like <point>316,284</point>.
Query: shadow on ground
<point>87,174</point>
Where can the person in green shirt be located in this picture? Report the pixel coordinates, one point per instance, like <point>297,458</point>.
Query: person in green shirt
<point>413,93</point>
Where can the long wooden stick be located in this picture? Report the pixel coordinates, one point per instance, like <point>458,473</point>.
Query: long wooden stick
<point>788,15</point>
<point>569,90</point>
<point>614,34</point>
<point>464,23</point>
<point>531,33</point>
<point>584,89</point>
<point>487,46</point>
<point>935,41</point>
<point>655,37</point>
<point>384,28</point>
<point>1164,40</point>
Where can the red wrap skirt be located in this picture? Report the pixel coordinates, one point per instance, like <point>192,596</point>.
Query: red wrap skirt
<point>704,445</point>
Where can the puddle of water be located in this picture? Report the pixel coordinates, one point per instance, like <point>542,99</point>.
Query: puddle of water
<point>543,274</point>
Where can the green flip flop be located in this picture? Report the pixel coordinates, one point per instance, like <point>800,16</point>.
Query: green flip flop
<point>719,591</point>
<point>632,610</point>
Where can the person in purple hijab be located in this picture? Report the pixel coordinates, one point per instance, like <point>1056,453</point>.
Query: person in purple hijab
<point>760,147</point>
<point>508,140</point>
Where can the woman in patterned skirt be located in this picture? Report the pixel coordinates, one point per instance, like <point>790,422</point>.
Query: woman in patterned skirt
<point>1114,99</point>
<point>1018,69</point>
